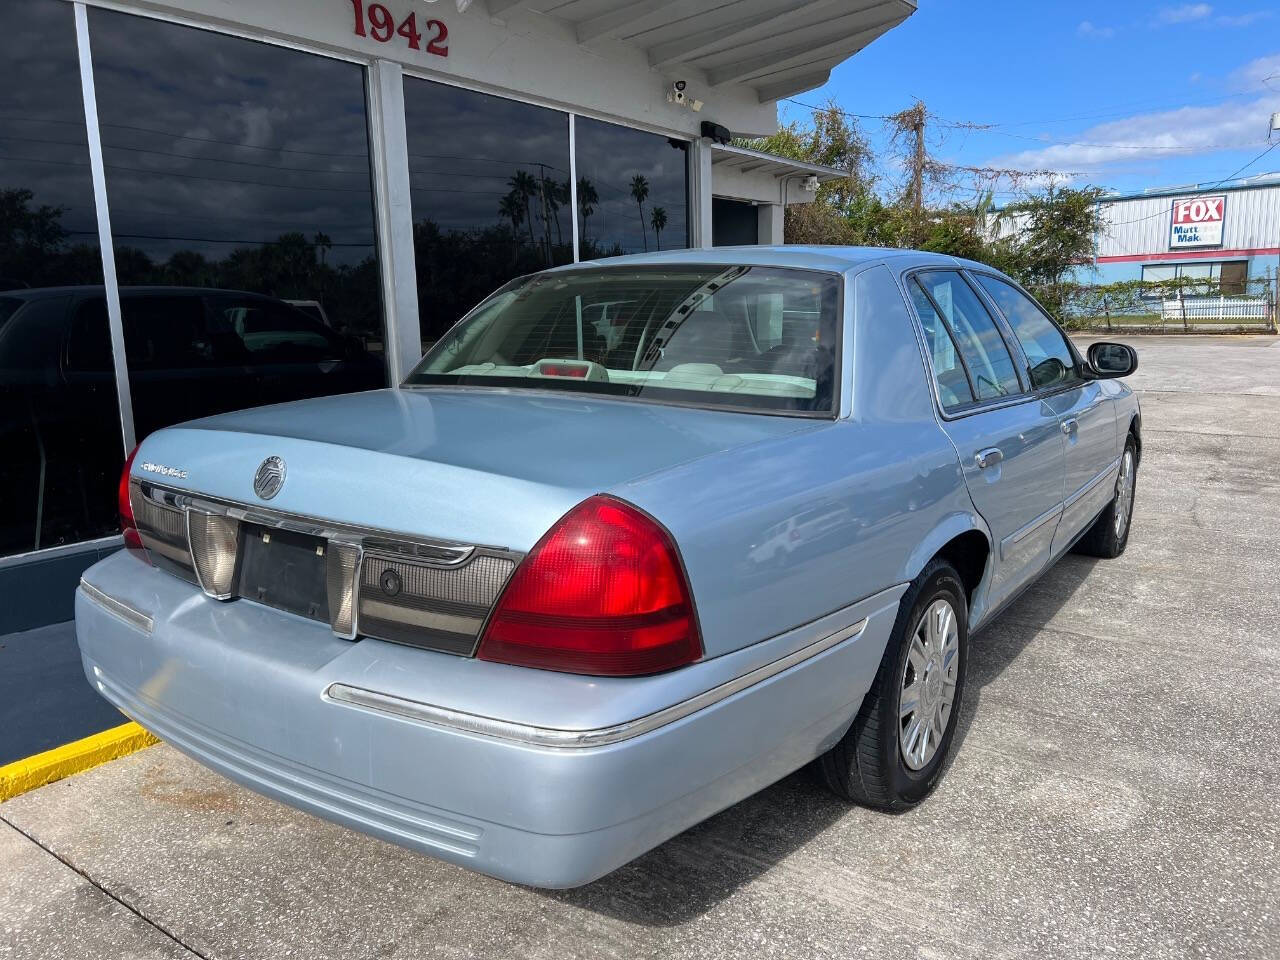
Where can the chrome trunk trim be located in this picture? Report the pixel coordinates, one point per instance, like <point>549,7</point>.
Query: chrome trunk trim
<point>117,608</point>
<point>529,735</point>
<point>435,552</point>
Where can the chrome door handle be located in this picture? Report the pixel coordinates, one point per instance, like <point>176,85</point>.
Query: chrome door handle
<point>988,457</point>
<point>1070,426</point>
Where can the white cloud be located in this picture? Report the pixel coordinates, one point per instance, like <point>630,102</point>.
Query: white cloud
<point>1242,19</point>
<point>1184,13</point>
<point>1262,72</point>
<point>1087,29</point>
<point>1184,131</point>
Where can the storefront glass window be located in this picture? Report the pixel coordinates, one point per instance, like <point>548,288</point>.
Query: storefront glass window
<point>490,184</point>
<point>59,424</point>
<point>242,214</point>
<point>1226,277</point>
<point>632,190</point>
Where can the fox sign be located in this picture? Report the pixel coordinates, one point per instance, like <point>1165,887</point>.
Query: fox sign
<point>1197,222</point>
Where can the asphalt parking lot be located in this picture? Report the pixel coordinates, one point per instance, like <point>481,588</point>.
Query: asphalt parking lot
<point>1114,792</point>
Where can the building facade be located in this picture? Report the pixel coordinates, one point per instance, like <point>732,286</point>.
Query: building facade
<point>1228,233</point>
<point>213,204</point>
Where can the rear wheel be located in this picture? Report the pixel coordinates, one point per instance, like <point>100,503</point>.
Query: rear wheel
<point>1109,534</point>
<point>893,754</point>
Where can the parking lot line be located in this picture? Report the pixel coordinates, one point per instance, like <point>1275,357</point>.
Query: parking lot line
<point>71,758</point>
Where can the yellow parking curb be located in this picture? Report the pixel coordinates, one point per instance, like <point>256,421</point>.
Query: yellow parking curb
<point>71,758</point>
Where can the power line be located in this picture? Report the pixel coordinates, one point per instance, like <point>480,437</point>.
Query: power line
<point>990,125</point>
<point>1135,104</point>
<point>989,128</point>
<point>256,243</point>
<point>1145,147</point>
<point>1216,183</point>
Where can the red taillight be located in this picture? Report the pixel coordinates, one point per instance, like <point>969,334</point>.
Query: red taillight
<point>128,526</point>
<point>603,593</point>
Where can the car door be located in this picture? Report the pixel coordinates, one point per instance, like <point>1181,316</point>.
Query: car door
<point>1009,442</point>
<point>1086,415</point>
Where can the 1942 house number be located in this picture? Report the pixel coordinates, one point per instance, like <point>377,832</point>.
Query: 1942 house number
<point>378,22</point>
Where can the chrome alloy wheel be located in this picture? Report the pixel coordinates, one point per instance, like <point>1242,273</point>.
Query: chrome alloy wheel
<point>928,688</point>
<point>1124,493</point>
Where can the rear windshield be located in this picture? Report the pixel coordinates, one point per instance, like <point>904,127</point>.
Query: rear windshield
<point>752,338</point>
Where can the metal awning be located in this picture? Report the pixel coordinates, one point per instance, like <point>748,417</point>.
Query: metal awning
<point>776,47</point>
<point>756,161</point>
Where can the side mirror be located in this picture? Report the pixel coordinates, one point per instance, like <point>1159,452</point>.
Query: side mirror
<point>1110,360</point>
<point>1047,372</point>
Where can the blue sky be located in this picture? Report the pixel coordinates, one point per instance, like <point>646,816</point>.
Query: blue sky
<point>1123,95</point>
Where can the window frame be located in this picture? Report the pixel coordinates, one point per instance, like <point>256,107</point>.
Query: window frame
<point>1078,367</point>
<point>1025,392</point>
<point>837,377</point>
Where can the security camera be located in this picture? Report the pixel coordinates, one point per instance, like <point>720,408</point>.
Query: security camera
<point>677,94</point>
<point>810,184</point>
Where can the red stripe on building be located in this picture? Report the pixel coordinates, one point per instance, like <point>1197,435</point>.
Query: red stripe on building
<point>1191,255</point>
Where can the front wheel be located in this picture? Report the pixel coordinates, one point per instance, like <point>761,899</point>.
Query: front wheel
<point>1109,534</point>
<point>893,754</point>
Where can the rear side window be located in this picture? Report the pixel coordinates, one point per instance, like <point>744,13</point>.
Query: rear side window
<point>1049,358</point>
<point>165,332</point>
<point>271,331</point>
<point>984,355</point>
<point>89,347</point>
<point>948,372</point>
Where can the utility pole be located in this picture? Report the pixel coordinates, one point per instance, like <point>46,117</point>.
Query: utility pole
<point>917,166</point>
<point>916,121</point>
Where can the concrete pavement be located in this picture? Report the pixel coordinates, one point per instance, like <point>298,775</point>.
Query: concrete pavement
<point>1113,791</point>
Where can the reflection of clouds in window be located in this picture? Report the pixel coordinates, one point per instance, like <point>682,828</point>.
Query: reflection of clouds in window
<point>489,178</point>
<point>464,147</point>
<point>622,220</point>
<point>59,421</point>
<point>43,147</point>
<point>213,143</point>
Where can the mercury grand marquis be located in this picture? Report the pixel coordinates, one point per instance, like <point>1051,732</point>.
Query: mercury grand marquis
<point>634,540</point>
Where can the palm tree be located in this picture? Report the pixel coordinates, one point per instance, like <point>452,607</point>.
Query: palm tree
<point>525,186</point>
<point>548,205</point>
<point>324,243</point>
<point>559,198</point>
<point>512,208</point>
<point>640,190</point>
<point>658,218</point>
<point>587,200</point>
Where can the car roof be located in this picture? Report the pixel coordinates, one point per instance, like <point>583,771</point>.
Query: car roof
<point>813,257</point>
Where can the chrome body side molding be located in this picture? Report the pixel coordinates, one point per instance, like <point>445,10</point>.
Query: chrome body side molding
<point>118,608</point>
<point>1084,491</point>
<point>1015,538</point>
<point>569,739</point>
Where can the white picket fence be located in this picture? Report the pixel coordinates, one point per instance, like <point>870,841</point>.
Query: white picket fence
<point>1217,311</point>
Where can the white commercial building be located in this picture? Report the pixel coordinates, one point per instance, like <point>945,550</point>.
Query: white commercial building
<point>1224,232</point>
<point>211,204</point>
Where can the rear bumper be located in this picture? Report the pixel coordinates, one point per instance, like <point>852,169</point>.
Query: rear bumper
<point>248,691</point>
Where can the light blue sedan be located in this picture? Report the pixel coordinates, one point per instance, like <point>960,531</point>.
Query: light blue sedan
<point>567,590</point>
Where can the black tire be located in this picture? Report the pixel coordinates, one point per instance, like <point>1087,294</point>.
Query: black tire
<point>867,766</point>
<point>1104,538</point>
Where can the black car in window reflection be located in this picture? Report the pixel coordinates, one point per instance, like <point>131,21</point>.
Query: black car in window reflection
<point>192,352</point>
